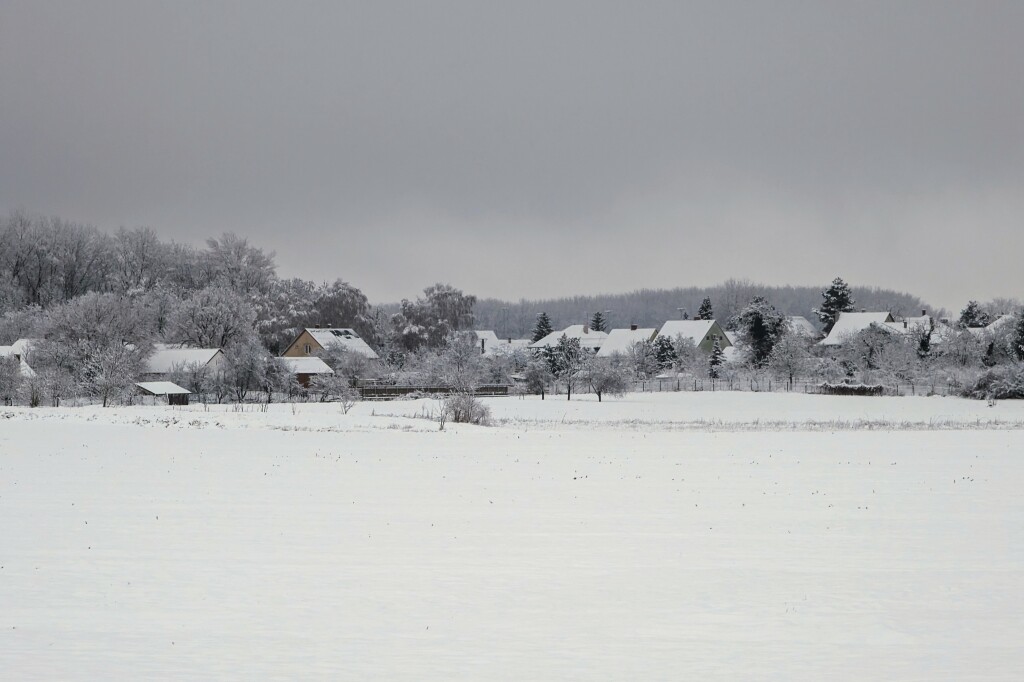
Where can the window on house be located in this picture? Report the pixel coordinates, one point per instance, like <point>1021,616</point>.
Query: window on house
<point>309,349</point>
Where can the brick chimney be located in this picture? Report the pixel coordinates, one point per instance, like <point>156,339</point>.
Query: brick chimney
<point>586,328</point>
<point>632,327</point>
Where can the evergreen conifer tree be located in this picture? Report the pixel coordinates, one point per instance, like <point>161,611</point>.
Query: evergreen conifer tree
<point>760,326</point>
<point>665,351</point>
<point>542,328</point>
<point>716,359</point>
<point>838,299</point>
<point>597,322</point>
<point>974,316</point>
<point>705,311</point>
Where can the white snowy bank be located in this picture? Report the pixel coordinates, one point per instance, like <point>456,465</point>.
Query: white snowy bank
<point>136,544</point>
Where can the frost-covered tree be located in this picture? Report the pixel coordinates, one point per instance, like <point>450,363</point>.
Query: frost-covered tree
<point>288,307</point>
<point>157,306</point>
<point>759,326</point>
<point>431,319</point>
<point>195,376</point>
<point>1018,337</point>
<point>542,328</point>
<point>688,356</point>
<point>569,360</point>
<point>138,260</point>
<point>604,376</point>
<point>245,366</point>
<point>333,387</point>
<point>214,317</point>
<point>837,299</point>
<point>339,304</point>
<point>110,371</point>
<point>643,359</point>
<point>715,360</point>
<point>460,363</point>
<point>538,376</point>
<point>705,312</point>
<point>276,378</point>
<point>100,340</point>
<point>597,322</point>
<point>56,384</point>
<point>10,378</point>
<point>243,268</point>
<point>973,315</point>
<point>962,349</point>
<point>791,357</point>
<point>878,353</point>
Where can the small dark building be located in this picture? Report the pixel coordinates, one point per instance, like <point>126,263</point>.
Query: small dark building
<point>175,394</point>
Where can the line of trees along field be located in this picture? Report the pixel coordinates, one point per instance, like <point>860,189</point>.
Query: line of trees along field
<point>651,307</point>
<point>99,301</point>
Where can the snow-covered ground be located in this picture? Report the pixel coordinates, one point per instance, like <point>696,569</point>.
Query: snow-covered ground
<point>663,536</point>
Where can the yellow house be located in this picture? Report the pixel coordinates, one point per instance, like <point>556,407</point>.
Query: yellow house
<point>314,340</point>
<point>703,332</point>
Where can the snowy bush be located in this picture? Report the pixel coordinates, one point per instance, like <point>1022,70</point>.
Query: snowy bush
<point>999,383</point>
<point>463,408</point>
<point>10,379</point>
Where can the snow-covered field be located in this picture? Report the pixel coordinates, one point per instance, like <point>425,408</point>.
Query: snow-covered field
<point>658,537</point>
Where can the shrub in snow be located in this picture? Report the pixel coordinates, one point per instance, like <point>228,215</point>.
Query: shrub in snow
<point>332,387</point>
<point>463,408</point>
<point>998,383</point>
<point>10,378</point>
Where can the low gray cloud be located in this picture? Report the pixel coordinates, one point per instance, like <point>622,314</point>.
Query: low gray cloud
<point>534,149</point>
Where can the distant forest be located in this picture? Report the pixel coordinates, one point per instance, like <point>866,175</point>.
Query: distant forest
<point>47,262</point>
<point>651,307</point>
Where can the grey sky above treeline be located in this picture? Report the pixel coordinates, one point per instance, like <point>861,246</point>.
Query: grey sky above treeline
<point>536,149</point>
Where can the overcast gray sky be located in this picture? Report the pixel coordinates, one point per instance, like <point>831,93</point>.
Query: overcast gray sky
<point>536,149</point>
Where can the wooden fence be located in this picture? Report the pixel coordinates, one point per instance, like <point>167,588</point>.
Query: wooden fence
<point>391,392</point>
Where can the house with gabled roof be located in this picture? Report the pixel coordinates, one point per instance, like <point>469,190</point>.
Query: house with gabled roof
<point>313,340</point>
<point>849,324</point>
<point>801,326</point>
<point>620,341</point>
<point>589,339</point>
<point>17,353</point>
<point>704,333</point>
<point>167,358</point>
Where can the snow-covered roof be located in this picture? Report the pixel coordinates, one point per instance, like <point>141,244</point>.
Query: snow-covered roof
<point>341,337</point>
<point>801,326</point>
<point>690,329</point>
<point>733,337</point>
<point>162,388</point>
<point>909,324</point>
<point>22,346</point>
<point>848,324</point>
<point>587,336</point>
<point>487,336</point>
<point>165,358</point>
<point>306,365</point>
<point>13,351</point>
<point>994,326</point>
<point>621,340</point>
<point>504,346</point>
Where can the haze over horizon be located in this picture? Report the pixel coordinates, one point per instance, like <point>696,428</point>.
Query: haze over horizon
<point>536,150</point>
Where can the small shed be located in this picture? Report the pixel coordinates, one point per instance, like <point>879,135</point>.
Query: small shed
<point>305,368</point>
<point>175,394</point>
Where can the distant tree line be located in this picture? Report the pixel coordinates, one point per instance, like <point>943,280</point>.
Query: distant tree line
<point>651,307</point>
<point>97,303</point>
